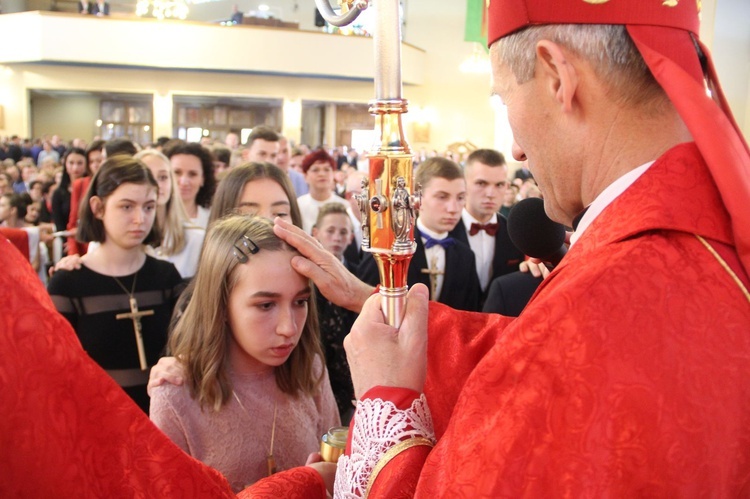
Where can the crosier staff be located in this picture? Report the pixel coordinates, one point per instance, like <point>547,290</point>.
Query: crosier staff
<point>389,203</point>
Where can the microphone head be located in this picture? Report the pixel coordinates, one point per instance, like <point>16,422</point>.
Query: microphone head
<point>532,231</point>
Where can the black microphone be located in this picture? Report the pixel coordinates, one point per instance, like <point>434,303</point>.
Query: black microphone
<point>534,233</point>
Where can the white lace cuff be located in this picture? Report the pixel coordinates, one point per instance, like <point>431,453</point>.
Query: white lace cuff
<point>378,426</point>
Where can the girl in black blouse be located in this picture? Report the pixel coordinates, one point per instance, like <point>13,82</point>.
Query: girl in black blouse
<point>119,289</point>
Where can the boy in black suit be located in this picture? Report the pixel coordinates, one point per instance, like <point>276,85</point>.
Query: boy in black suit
<point>444,264</point>
<point>481,226</point>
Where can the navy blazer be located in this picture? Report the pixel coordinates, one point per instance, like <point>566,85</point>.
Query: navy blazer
<point>509,294</point>
<point>460,289</point>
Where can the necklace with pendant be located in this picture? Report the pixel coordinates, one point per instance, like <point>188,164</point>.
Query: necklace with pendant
<point>270,460</point>
<point>135,315</point>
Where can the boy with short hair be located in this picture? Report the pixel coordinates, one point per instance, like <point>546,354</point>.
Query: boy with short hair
<point>444,264</point>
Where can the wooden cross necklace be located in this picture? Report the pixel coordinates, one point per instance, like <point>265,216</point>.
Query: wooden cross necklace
<point>433,272</point>
<point>135,315</point>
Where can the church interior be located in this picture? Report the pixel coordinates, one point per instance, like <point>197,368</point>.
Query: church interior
<point>145,77</point>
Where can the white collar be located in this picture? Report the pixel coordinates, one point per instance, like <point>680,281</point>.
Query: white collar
<point>469,219</point>
<point>606,197</point>
<point>435,235</point>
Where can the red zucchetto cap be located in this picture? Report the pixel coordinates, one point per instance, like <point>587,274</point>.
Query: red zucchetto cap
<point>666,34</point>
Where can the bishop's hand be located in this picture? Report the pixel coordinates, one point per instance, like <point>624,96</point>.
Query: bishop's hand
<point>330,276</point>
<point>381,355</point>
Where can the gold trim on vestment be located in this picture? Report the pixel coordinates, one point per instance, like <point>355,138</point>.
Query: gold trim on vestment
<point>725,266</point>
<point>392,453</point>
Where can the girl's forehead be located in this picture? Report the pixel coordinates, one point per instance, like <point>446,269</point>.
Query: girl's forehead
<point>267,266</point>
<point>263,190</point>
<point>262,183</point>
<point>129,189</point>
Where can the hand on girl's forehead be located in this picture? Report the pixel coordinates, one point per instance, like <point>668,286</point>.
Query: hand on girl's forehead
<point>271,264</point>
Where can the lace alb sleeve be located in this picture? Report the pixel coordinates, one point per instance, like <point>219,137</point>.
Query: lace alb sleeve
<point>378,426</point>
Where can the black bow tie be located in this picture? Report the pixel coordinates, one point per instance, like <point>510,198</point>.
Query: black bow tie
<point>429,242</point>
<point>490,229</point>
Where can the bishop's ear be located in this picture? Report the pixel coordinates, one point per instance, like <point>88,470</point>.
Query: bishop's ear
<point>559,72</point>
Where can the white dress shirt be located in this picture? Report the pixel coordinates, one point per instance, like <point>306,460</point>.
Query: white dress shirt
<point>483,246</point>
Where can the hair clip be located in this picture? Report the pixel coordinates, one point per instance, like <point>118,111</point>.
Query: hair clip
<point>244,247</point>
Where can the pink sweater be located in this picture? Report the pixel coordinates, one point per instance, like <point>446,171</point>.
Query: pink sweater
<point>234,440</point>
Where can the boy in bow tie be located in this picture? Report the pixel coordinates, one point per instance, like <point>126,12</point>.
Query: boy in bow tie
<point>444,264</point>
<point>481,226</point>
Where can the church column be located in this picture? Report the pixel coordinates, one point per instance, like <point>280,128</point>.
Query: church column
<point>14,107</point>
<point>329,134</point>
<point>163,112</point>
<point>292,120</point>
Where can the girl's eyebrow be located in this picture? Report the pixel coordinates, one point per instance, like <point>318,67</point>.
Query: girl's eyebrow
<point>126,200</point>
<point>271,294</point>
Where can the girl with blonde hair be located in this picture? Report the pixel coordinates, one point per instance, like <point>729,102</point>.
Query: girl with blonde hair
<point>256,395</point>
<point>181,240</point>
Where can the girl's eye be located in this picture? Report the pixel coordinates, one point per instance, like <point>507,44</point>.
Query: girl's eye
<point>265,306</point>
<point>281,215</point>
<point>303,302</point>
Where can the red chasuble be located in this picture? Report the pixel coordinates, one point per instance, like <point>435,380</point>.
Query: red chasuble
<point>18,237</point>
<point>67,429</point>
<point>627,375</point>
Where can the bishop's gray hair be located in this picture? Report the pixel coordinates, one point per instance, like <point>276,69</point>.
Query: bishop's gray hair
<point>608,48</point>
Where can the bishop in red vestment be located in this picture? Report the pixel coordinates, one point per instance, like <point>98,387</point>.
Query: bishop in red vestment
<point>628,374</point>
<point>567,401</point>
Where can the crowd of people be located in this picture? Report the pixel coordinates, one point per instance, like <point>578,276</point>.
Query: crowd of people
<point>154,253</point>
<point>51,177</point>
